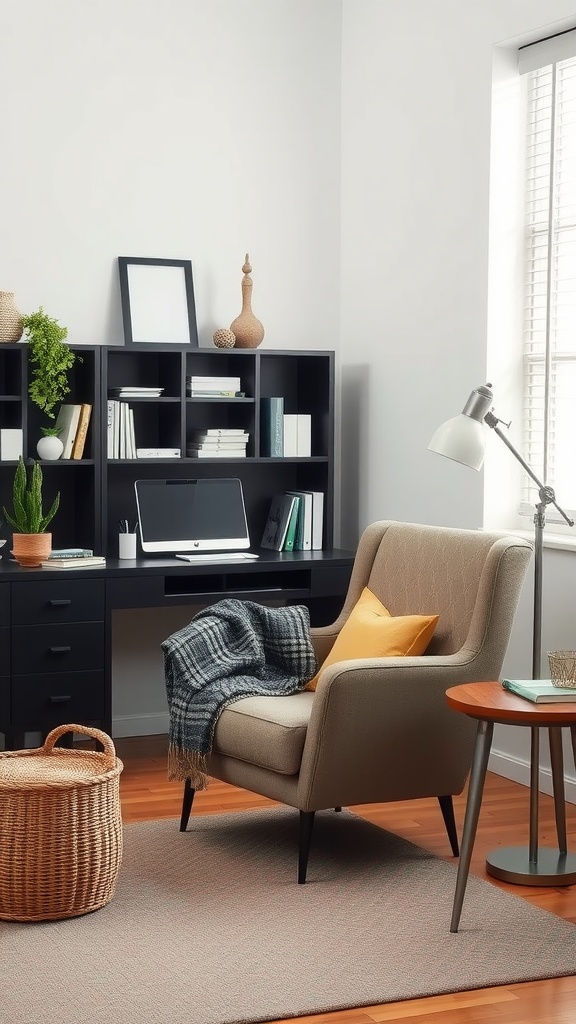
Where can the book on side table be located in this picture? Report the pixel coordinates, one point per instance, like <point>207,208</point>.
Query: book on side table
<point>540,691</point>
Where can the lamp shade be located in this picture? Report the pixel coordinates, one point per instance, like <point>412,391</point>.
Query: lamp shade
<point>460,439</point>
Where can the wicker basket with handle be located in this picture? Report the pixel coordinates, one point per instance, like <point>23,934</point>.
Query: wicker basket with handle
<point>60,828</point>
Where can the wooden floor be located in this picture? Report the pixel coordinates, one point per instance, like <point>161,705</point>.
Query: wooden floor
<point>146,793</point>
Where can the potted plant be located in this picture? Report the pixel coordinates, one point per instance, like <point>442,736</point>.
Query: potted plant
<point>31,544</point>
<point>50,360</point>
<point>50,446</point>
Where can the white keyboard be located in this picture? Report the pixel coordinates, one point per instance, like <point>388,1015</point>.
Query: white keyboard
<point>230,556</point>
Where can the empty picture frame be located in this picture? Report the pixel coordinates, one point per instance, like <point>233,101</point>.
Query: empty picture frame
<point>157,301</point>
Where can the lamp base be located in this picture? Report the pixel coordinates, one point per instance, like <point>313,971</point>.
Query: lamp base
<point>513,864</point>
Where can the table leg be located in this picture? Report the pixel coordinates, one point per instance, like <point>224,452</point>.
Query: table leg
<point>475,790</point>
<point>557,765</point>
<point>530,865</point>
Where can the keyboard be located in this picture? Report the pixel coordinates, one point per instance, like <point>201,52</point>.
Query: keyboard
<point>229,556</point>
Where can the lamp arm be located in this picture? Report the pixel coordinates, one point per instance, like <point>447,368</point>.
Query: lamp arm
<point>547,495</point>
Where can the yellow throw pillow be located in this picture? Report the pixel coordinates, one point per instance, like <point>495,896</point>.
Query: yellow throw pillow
<point>371,632</point>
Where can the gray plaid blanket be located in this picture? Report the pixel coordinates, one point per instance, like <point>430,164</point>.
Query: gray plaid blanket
<point>229,650</point>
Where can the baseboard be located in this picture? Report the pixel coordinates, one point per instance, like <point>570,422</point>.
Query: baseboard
<point>518,770</point>
<point>140,725</point>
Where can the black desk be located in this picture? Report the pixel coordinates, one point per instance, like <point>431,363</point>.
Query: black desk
<point>56,626</point>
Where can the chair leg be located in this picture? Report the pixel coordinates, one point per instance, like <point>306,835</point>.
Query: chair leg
<point>447,808</point>
<point>337,808</point>
<point>187,799</point>
<point>306,823</point>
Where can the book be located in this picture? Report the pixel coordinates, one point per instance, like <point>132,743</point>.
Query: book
<point>292,523</point>
<point>272,427</point>
<point>58,553</point>
<point>93,561</point>
<point>540,691</point>
<point>317,520</point>
<point>67,420</point>
<point>11,443</point>
<point>218,453</point>
<point>158,453</point>
<point>290,450</point>
<point>81,431</point>
<point>277,523</point>
<point>304,434</point>
<point>303,539</point>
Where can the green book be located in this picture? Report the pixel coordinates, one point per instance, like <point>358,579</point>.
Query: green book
<point>540,691</point>
<point>291,531</point>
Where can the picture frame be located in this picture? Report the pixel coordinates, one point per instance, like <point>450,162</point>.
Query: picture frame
<point>158,306</point>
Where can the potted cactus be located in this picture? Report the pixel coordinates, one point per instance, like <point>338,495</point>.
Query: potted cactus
<point>31,544</point>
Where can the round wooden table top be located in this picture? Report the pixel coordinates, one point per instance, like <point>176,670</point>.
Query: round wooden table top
<point>490,702</point>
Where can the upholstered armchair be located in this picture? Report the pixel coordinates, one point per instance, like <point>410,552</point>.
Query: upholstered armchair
<point>378,728</point>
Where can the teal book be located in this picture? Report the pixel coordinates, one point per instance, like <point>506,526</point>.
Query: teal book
<point>540,691</point>
<point>272,427</point>
<point>292,523</point>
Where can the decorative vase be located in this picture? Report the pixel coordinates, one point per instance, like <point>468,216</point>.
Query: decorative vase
<point>11,326</point>
<point>50,447</point>
<point>248,330</point>
<point>31,549</point>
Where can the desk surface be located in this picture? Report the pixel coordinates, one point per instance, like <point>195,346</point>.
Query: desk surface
<point>490,702</point>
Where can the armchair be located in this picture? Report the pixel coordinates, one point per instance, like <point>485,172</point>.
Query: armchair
<point>379,729</point>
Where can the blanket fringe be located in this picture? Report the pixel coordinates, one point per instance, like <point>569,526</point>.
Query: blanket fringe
<point>187,764</point>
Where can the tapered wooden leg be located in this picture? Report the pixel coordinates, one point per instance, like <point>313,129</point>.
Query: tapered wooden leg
<point>447,808</point>
<point>306,823</point>
<point>187,800</point>
<point>475,789</point>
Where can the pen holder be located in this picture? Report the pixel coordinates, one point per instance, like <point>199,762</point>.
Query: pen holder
<point>126,545</point>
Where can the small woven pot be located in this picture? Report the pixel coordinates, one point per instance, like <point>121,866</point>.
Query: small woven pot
<point>31,549</point>
<point>11,326</point>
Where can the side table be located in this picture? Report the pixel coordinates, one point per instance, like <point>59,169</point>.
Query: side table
<point>490,703</point>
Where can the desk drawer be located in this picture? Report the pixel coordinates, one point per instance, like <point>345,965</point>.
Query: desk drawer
<point>68,600</point>
<point>40,702</point>
<point>71,647</point>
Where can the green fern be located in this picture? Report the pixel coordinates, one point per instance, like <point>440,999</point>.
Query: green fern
<point>27,515</point>
<point>50,359</point>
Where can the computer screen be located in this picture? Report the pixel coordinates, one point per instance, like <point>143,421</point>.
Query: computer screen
<point>191,515</point>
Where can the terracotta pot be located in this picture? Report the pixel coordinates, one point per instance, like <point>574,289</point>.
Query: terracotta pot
<point>31,549</point>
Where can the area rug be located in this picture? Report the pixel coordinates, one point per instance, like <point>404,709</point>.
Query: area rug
<point>210,927</point>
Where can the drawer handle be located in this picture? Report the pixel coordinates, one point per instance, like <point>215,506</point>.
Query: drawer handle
<point>59,650</point>
<point>60,698</point>
<point>60,602</point>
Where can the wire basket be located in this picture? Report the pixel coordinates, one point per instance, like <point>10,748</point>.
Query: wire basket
<point>562,668</point>
<point>60,828</point>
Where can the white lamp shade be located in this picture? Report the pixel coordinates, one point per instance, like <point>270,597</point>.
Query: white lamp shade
<point>461,439</point>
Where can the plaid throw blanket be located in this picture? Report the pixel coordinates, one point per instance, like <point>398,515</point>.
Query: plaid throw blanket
<point>229,650</point>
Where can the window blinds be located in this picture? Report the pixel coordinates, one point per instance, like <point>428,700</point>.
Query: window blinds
<point>549,343</point>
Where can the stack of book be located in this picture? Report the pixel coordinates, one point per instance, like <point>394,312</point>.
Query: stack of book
<point>73,421</point>
<point>135,392</point>
<point>217,443</point>
<point>76,561</point>
<point>212,387</point>
<point>295,522</point>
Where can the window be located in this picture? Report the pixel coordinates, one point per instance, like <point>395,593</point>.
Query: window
<point>549,330</point>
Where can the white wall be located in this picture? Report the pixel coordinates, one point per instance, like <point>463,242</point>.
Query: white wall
<point>416,122</point>
<point>197,129</point>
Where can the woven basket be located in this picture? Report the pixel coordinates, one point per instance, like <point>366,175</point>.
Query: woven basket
<point>562,668</point>
<point>60,828</point>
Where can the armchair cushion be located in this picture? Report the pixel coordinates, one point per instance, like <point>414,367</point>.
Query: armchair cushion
<point>371,632</point>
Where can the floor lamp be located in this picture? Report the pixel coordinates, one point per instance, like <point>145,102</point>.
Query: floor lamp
<point>462,439</point>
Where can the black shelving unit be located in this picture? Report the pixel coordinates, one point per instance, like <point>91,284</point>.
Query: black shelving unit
<point>305,380</point>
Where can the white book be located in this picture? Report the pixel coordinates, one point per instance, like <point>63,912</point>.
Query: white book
<point>304,527</point>
<point>304,434</point>
<point>317,520</point>
<point>116,431</point>
<point>11,443</point>
<point>110,429</point>
<point>131,433</point>
<point>67,419</point>
<point>158,453</point>
<point>290,435</point>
